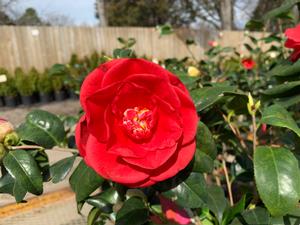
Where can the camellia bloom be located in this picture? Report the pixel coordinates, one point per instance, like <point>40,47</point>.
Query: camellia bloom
<point>248,63</point>
<point>5,128</point>
<point>139,125</point>
<point>293,41</point>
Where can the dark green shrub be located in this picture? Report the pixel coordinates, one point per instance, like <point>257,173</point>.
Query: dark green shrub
<point>44,84</point>
<point>24,84</point>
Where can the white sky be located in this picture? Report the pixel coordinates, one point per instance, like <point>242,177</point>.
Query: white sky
<point>82,12</point>
<point>79,11</point>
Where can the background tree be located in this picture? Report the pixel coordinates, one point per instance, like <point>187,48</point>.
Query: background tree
<point>5,7</point>
<point>219,14</point>
<point>29,17</point>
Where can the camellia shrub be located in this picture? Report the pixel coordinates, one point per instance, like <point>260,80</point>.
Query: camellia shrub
<point>214,142</point>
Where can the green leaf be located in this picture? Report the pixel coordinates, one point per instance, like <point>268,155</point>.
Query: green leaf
<point>189,193</point>
<point>110,195</point>
<point>7,184</point>
<point>203,163</point>
<point>19,191</point>
<point>22,167</point>
<point>58,70</point>
<point>286,68</point>
<point>231,212</point>
<point>100,203</point>
<point>61,169</point>
<point>288,101</point>
<point>93,216</point>
<point>277,177</point>
<point>42,128</point>
<point>133,212</point>
<point>205,141</point>
<point>165,29</point>
<point>284,89</point>
<point>285,7</point>
<point>276,115</point>
<point>254,25</point>
<point>84,181</point>
<point>215,200</point>
<point>256,216</point>
<point>207,96</point>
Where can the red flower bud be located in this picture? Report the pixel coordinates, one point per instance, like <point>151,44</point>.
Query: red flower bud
<point>264,128</point>
<point>248,63</point>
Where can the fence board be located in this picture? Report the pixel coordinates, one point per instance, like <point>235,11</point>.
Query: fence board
<point>43,46</point>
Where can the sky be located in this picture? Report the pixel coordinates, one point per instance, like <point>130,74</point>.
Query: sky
<point>81,12</point>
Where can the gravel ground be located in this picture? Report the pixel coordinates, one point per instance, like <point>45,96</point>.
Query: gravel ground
<point>17,115</point>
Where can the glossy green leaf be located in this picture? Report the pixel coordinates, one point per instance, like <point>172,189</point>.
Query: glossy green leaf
<point>205,141</point>
<point>133,212</point>
<point>276,115</point>
<point>215,200</point>
<point>285,7</point>
<point>93,216</point>
<point>277,178</point>
<point>42,128</point>
<point>285,69</point>
<point>284,89</point>
<point>208,96</point>
<point>203,163</point>
<point>231,212</point>
<point>100,203</point>
<point>61,169</point>
<point>288,101</point>
<point>84,181</point>
<point>189,193</point>
<point>256,216</point>
<point>7,184</point>
<point>110,195</point>
<point>19,191</point>
<point>21,166</point>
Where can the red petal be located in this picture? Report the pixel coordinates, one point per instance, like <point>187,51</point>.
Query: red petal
<point>129,67</point>
<point>152,159</point>
<point>97,109</point>
<point>167,133</point>
<point>81,135</point>
<point>109,165</point>
<point>189,116</point>
<point>176,163</point>
<point>293,33</point>
<point>159,86</point>
<point>93,82</point>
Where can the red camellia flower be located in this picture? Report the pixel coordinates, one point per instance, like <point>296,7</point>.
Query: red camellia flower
<point>248,63</point>
<point>139,125</point>
<point>293,41</point>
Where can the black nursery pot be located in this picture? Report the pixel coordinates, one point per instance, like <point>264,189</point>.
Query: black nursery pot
<point>45,97</point>
<point>60,95</point>
<point>73,95</point>
<point>1,102</point>
<point>11,101</point>
<point>27,100</point>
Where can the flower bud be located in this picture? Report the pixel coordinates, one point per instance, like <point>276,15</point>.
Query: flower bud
<point>193,71</point>
<point>2,151</point>
<point>11,139</point>
<point>5,128</point>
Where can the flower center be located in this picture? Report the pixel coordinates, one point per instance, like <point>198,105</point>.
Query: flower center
<point>138,122</point>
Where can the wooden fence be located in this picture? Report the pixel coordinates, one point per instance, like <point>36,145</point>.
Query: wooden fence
<point>43,46</point>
